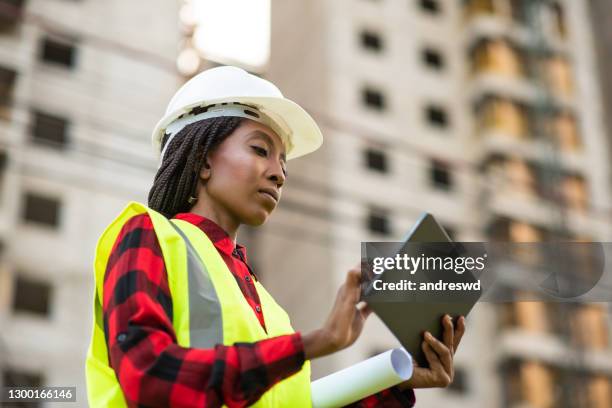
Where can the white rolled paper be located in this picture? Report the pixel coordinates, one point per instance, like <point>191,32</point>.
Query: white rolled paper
<point>362,379</point>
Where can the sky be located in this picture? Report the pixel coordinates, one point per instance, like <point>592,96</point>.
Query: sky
<point>233,31</point>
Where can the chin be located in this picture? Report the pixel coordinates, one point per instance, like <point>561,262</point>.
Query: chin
<point>255,220</point>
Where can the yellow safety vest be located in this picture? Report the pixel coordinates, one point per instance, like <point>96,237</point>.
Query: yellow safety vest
<point>208,308</point>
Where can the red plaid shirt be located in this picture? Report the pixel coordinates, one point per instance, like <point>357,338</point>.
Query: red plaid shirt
<point>153,370</point>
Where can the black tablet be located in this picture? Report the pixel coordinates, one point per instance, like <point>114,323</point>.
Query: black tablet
<point>410,314</point>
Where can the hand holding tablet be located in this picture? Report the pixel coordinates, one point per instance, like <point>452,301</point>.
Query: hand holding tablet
<point>411,314</point>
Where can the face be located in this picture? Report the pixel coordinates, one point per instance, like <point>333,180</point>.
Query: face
<point>246,174</point>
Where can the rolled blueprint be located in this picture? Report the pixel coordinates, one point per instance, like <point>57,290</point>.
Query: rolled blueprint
<point>362,379</point>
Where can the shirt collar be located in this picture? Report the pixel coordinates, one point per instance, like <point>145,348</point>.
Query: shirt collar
<point>215,233</point>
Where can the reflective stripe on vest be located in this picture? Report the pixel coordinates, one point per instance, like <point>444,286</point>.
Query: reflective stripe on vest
<point>205,319</point>
<point>208,308</point>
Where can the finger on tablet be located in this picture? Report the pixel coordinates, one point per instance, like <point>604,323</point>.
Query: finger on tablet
<point>432,357</point>
<point>459,331</point>
<point>443,352</point>
<point>448,335</point>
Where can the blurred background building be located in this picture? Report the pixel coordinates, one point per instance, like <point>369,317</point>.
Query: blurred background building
<point>81,84</point>
<point>490,114</point>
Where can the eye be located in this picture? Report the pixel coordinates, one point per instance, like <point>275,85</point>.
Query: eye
<point>260,151</point>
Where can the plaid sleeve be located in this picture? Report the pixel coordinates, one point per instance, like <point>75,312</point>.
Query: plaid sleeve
<point>391,397</point>
<point>152,369</point>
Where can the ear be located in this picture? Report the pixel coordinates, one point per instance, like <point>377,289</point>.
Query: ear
<point>206,170</point>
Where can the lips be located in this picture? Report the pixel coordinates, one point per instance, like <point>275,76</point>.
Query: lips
<point>271,192</point>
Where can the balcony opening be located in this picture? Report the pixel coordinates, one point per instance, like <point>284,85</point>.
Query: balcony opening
<point>371,41</point>
<point>17,377</point>
<point>440,175</point>
<point>563,128</point>
<point>552,20</point>
<point>503,116</point>
<point>575,192</point>
<point>59,53</point>
<point>8,77</point>
<point>32,296</point>
<point>436,116</point>
<point>49,130</point>
<point>3,161</point>
<point>378,221</point>
<point>41,210</point>
<point>590,327</point>
<point>510,230</point>
<point>431,6</point>
<point>497,56</point>
<point>433,59</point>
<point>373,99</point>
<point>10,15</point>
<point>376,160</point>
<point>521,177</point>
<point>559,76</point>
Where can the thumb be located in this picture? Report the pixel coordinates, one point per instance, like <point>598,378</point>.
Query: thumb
<point>353,277</point>
<point>353,286</point>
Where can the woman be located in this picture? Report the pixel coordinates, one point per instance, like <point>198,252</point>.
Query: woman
<point>180,317</point>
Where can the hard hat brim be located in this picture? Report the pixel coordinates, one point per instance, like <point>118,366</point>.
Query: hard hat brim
<point>304,133</point>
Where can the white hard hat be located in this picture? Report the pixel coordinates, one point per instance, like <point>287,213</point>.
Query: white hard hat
<point>235,92</point>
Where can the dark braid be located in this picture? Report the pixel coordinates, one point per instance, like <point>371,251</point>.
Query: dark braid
<point>177,178</point>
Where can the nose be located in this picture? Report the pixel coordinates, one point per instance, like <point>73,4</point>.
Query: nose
<point>277,175</point>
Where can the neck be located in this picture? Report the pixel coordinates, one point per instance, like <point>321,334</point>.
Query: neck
<point>218,214</point>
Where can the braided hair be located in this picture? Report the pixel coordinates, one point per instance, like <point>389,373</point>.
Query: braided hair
<point>177,178</point>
